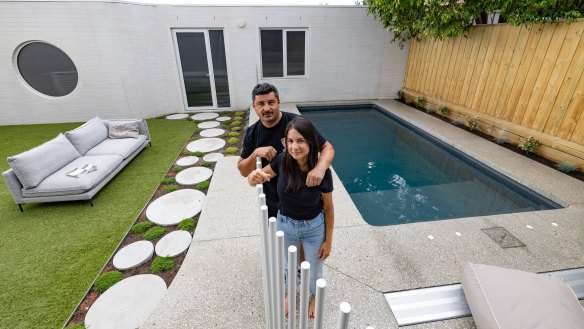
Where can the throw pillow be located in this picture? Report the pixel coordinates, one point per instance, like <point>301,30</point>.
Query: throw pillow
<point>123,129</point>
<point>88,135</point>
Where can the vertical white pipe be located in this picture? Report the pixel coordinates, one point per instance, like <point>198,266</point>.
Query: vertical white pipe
<point>258,163</point>
<point>319,311</point>
<point>273,272</point>
<point>280,281</point>
<point>304,294</point>
<point>292,270</point>
<point>344,313</point>
<point>265,267</point>
<point>260,189</point>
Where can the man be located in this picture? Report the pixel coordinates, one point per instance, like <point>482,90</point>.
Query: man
<point>264,139</point>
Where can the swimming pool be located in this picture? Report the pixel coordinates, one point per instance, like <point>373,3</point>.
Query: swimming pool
<point>396,173</point>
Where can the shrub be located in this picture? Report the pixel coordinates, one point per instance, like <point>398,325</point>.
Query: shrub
<point>197,121</point>
<point>176,169</point>
<point>240,113</point>
<point>206,164</point>
<point>189,119</point>
<point>203,185</point>
<point>236,128</point>
<point>227,122</point>
<point>197,130</point>
<point>530,144</point>
<point>197,154</point>
<point>457,122</point>
<point>231,150</point>
<point>186,224</point>
<point>160,117</point>
<point>443,110</point>
<point>168,180</point>
<point>141,227</point>
<point>430,110</point>
<point>235,123</point>
<point>106,280</point>
<point>161,264</point>
<point>500,140</point>
<point>421,101</point>
<point>154,233</point>
<point>171,188</point>
<point>233,141</point>
<point>409,102</point>
<point>473,122</point>
<point>224,126</point>
<point>237,118</point>
<point>400,94</point>
<point>232,134</point>
<point>224,113</point>
<point>566,167</point>
<point>194,138</point>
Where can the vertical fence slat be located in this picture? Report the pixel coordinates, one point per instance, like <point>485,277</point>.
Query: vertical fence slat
<point>280,279</point>
<point>304,295</point>
<point>292,270</point>
<point>500,78</point>
<point>344,314</point>
<point>477,41</point>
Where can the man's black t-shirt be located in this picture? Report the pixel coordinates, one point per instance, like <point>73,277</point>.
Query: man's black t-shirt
<point>257,135</point>
<point>305,203</point>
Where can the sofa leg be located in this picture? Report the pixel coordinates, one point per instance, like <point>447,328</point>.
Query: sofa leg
<point>150,144</point>
<point>20,206</point>
<point>91,202</point>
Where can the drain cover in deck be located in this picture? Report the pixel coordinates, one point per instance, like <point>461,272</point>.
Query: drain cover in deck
<point>503,238</point>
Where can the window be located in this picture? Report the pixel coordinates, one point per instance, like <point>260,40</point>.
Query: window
<point>283,53</point>
<point>47,69</point>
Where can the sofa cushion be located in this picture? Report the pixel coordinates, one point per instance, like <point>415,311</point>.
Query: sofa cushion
<point>123,146</point>
<point>88,135</point>
<point>123,129</point>
<point>507,299</point>
<point>61,184</point>
<point>33,166</point>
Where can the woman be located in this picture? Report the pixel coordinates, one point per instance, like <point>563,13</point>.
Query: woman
<point>306,214</point>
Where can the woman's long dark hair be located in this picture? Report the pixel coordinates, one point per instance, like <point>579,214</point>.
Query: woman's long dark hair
<point>297,178</point>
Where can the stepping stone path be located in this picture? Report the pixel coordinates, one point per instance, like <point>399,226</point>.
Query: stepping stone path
<point>173,244</point>
<point>173,207</point>
<point>178,116</point>
<point>205,116</point>
<point>212,132</point>
<point>208,124</point>
<point>213,157</point>
<point>194,175</point>
<point>127,304</point>
<point>187,161</point>
<point>206,145</point>
<point>133,255</point>
<point>221,119</point>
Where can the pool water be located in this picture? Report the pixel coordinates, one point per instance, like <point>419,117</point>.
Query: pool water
<point>396,173</point>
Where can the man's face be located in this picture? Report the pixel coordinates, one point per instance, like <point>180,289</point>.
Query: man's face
<point>267,108</point>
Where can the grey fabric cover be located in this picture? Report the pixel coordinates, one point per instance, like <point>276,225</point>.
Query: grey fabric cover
<point>123,146</point>
<point>61,184</point>
<point>33,166</point>
<point>123,129</point>
<point>510,299</point>
<point>88,135</point>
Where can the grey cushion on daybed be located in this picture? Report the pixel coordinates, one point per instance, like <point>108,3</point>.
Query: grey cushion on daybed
<point>33,166</point>
<point>88,135</point>
<point>510,299</point>
<point>61,184</point>
<point>124,129</point>
<point>123,146</point>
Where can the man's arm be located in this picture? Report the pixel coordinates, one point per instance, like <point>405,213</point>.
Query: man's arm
<point>248,164</point>
<point>327,154</point>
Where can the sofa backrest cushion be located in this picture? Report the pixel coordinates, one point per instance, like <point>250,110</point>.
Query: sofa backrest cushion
<point>124,129</point>
<point>33,166</point>
<point>88,135</point>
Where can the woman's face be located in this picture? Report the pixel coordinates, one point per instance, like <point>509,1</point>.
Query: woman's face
<point>297,146</point>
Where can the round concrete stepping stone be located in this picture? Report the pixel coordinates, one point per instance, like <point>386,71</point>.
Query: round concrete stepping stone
<point>194,175</point>
<point>205,116</point>
<point>206,145</point>
<point>133,255</point>
<point>221,119</point>
<point>187,161</point>
<point>212,132</point>
<point>127,304</point>
<point>173,207</point>
<point>173,244</point>
<point>213,157</point>
<point>177,116</point>
<point>208,124</point>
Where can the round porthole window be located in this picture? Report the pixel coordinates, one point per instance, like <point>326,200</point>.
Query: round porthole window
<point>47,69</point>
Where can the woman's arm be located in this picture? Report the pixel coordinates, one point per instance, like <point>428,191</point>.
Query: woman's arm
<point>260,176</point>
<point>329,222</point>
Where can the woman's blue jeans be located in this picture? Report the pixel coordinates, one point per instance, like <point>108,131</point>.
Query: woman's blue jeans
<point>312,234</point>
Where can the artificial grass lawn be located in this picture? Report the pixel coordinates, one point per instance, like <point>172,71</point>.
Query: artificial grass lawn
<point>52,252</point>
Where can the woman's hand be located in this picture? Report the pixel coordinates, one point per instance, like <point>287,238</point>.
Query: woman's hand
<point>325,250</point>
<point>258,177</point>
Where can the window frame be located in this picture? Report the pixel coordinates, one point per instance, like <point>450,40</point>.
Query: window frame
<point>284,52</point>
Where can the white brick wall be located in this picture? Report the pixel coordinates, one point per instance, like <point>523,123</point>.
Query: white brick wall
<point>125,56</point>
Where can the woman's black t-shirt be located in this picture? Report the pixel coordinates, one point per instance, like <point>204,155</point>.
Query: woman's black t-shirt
<point>306,203</point>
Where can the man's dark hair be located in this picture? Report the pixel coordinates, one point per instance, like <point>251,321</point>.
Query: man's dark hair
<point>264,89</point>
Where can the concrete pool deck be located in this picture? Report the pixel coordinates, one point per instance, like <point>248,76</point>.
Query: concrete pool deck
<point>219,284</point>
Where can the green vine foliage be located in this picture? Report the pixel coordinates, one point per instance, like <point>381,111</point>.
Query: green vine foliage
<point>414,19</point>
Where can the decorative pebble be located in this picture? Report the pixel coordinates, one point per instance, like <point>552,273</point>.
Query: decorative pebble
<point>221,119</point>
<point>212,132</point>
<point>555,224</point>
<point>127,304</point>
<point>205,116</point>
<point>206,145</point>
<point>208,124</point>
<point>173,207</point>
<point>529,226</point>
<point>431,237</point>
<point>194,175</point>
<point>173,244</point>
<point>177,116</point>
<point>213,157</point>
<point>133,255</point>
<point>187,161</point>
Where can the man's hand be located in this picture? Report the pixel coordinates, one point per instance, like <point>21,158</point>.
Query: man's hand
<point>267,152</point>
<point>258,177</point>
<point>315,176</point>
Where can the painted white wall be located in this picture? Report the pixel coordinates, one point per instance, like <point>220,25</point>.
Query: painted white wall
<point>127,67</point>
